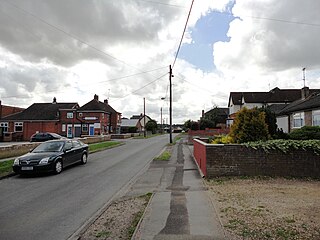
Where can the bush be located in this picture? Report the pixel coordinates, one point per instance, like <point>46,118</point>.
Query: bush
<point>248,126</point>
<point>305,133</point>
<point>222,139</point>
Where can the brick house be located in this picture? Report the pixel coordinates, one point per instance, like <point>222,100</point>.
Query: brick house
<point>275,98</point>
<point>98,118</point>
<point>303,112</point>
<point>136,121</point>
<point>41,117</point>
<point>6,111</point>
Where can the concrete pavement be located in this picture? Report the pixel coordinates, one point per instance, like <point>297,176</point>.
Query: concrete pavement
<point>180,207</point>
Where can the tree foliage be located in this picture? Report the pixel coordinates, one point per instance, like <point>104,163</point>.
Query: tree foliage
<point>205,123</point>
<point>249,125</point>
<point>152,126</point>
<point>191,125</point>
<point>271,120</point>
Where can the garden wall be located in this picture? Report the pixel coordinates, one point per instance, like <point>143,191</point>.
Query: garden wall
<point>239,160</point>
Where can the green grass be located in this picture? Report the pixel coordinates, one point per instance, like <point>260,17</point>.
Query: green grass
<point>102,145</point>
<point>165,156</point>
<point>6,168</point>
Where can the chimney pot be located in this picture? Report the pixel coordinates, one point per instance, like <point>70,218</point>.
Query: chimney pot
<point>96,97</point>
<point>106,101</point>
<point>54,100</point>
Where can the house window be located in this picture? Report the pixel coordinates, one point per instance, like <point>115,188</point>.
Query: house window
<point>84,127</point>
<point>298,120</point>
<point>18,126</point>
<point>316,118</point>
<point>5,126</point>
<point>63,128</point>
<point>70,115</point>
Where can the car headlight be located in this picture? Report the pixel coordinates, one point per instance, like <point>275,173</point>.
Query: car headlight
<point>16,162</point>
<point>44,160</point>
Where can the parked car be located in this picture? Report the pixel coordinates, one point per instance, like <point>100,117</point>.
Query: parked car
<point>53,155</point>
<point>44,136</point>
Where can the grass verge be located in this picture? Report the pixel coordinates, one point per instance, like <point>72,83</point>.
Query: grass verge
<point>120,219</point>
<point>102,146</point>
<point>6,168</point>
<point>165,156</point>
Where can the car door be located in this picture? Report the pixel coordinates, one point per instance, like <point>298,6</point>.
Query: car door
<point>77,150</point>
<point>69,153</point>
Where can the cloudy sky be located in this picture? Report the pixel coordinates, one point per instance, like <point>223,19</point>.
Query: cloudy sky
<point>121,50</point>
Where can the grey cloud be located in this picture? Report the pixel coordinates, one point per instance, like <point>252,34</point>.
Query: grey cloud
<point>100,23</point>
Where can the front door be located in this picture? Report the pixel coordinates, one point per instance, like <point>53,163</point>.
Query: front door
<point>91,130</point>
<point>77,130</point>
<point>69,130</point>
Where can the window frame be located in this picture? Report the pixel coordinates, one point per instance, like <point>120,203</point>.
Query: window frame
<point>18,124</point>
<point>298,117</point>
<point>5,126</point>
<point>69,115</point>
<point>316,113</point>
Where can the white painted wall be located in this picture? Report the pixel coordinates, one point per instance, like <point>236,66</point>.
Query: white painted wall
<point>282,122</point>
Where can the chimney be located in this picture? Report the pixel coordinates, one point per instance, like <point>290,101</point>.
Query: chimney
<point>305,92</point>
<point>106,101</point>
<point>96,97</point>
<point>54,100</point>
<point>202,113</point>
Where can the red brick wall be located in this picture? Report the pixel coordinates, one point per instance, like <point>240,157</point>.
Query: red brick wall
<point>239,160</point>
<point>200,154</point>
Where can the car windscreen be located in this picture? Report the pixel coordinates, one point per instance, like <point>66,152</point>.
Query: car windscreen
<point>49,147</point>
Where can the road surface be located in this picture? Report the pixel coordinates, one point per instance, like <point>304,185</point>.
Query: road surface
<point>55,206</point>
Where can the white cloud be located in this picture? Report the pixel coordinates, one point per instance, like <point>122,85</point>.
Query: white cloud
<point>39,62</point>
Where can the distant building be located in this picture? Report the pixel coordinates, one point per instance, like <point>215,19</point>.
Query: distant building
<point>136,122</point>
<point>276,99</point>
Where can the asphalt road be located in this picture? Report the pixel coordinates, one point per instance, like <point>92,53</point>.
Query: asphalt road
<point>55,206</point>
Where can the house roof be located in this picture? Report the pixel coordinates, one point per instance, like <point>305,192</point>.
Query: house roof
<point>219,111</point>
<point>41,111</point>
<point>94,105</point>
<point>129,122</point>
<point>275,95</point>
<point>309,103</point>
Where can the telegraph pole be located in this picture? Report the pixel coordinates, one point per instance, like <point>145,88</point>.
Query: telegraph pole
<point>304,76</point>
<point>170,110</point>
<point>144,117</point>
<point>161,131</point>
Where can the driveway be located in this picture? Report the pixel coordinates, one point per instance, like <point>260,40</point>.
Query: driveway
<point>55,206</point>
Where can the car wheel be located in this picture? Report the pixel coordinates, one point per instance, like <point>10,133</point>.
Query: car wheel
<point>58,167</point>
<point>84,158</point>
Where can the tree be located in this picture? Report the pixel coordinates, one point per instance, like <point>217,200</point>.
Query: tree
<point>271,120</point>
<point>205,123</point>
<point>249,125</point>
<point>191,125</point>
<point>152,126</point>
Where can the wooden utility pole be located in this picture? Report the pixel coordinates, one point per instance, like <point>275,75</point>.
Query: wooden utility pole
<point>170,110</point>
<point>144,116</point>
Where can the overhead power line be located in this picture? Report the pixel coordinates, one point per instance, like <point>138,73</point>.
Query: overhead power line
<point>184,30</point>
<point>141,87</point>
<point>74,37</point>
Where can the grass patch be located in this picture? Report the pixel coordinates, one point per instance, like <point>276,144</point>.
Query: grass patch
<point>102,146</point>
<point>165,156</point>
<point>6,168</point>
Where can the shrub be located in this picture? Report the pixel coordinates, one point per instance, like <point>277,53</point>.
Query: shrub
<point>248,126</point>
<point>222,139</point>
<point>305,133</point>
